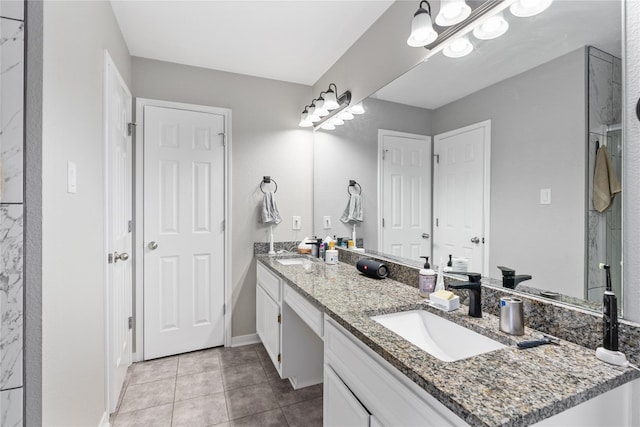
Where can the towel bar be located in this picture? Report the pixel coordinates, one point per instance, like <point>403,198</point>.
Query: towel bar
<point>354,184</point>
<point>268,180</point>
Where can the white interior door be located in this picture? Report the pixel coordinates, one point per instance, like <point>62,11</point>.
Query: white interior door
<point>405,194</point>
<point>461,195</point>
<point>119,271</point>
<point>183,230</point>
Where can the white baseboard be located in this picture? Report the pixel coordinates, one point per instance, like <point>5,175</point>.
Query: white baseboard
<point>244,340</point>
<point>104,422</point>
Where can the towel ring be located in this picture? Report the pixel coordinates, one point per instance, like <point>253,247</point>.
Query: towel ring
<point>268,180</point>
<point>354,184</point>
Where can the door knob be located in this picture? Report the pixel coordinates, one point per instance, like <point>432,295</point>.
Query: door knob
<point>122,257</point>
<point>425,235</point>
<point>153,246</point>
<point>475,240</point>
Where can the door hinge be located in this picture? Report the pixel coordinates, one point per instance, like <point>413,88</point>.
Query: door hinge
<point>483,240</point>
<point>384,154</point>
<point>383,222</point>
<point>224,308</point>
<point>279,318</point>
<point>224,138</point>
<point>130,322</point>
<point>130,226</point>
<point>130,128</point>
<point>279,358</point>
<point>224,225</point>
<point>437,222</point>
<point>110,258</point>
<point>437,156</point>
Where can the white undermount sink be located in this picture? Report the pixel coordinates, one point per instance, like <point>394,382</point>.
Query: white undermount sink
<point>290,261</point>
<point>437,336</point>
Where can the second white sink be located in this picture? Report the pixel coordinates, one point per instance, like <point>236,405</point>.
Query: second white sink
<point>437,336</point>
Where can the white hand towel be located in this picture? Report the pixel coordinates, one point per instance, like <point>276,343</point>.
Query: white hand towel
<point>269,209</point>
<point>353,212</point>
<point>605,181</point>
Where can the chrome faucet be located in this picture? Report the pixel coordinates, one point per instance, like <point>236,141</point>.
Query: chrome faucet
<point>475,291</point>
<point>510,279</point>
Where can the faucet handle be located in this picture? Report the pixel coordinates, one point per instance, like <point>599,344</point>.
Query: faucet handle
<point>506,271</point>
<point>473,277</point>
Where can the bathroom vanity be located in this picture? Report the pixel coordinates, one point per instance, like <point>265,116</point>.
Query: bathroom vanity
<point>372,376</point>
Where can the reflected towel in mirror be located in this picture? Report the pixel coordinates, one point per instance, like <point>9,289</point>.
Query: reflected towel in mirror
<point>353,212</point>
<point>269,212</point>
<point>605,181</point>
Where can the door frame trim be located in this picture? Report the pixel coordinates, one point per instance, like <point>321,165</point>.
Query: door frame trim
<point>486,232</point>
<point>109,64</point>
<point>139,214</point>
<point>381,134</point>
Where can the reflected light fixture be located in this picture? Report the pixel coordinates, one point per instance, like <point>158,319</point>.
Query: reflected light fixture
<point>422,32</point>
<point>331,98</point>
<point>345,115</point>
<point>321,110</point>
<point>357,108</point>
<point>526,8</point>
<point>492,28</point>
<point>304,119</point>
<point>458,48</point>
<point>327,126</point>
<point>452,12</point>
<point>336,121</point>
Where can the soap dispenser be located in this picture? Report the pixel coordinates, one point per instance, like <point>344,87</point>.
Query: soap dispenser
<point>427,280</point>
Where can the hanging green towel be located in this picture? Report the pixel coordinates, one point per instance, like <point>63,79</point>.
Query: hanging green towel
<point>605,181</point>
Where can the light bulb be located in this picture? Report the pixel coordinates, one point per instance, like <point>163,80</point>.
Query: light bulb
<point>327,126</point>
<point>357,108</point>
<point>491,28</point>
<point>458,48</point>
<point>452,12</point>
<point>526,8</point>
<point>336,121</point>
<point>345,115</point>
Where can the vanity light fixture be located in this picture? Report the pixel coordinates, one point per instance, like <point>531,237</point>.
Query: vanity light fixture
<point>330,100</point>
<point>357,108</point>
<point>492,28</point>
<point>326,109</point>
<point>452,12</point>
<point>422,32</point>
<point>458,48</point>
<point>304,119</point>
<point>526,8</point>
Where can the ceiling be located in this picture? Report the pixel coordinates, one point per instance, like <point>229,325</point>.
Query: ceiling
<point>294,41</point>
<point>566,26</point>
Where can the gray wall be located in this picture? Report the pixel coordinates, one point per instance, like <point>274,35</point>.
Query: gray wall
<point>538,141</point>
<point>351,152</point>
<point>266,141</point>
<point>73,244</point>
<point>631,171</point>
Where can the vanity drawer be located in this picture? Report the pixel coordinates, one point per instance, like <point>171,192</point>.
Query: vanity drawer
<point>307,311</point>
<point>269,282</point>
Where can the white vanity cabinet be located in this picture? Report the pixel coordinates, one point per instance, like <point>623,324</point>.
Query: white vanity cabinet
<point>290,328</point>
<point>359,384</point>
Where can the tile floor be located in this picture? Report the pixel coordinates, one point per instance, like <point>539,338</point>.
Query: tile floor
<point>216,387</point>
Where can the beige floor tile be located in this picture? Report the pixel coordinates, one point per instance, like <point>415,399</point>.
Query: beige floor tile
<point>238,356</point>
<point>153,370</point>
<point>147,395</point>
<point>201,384</point>
<point>200,411</point>
<point>201,362</point>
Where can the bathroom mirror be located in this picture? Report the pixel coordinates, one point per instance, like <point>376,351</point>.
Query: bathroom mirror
<point>551,87</point>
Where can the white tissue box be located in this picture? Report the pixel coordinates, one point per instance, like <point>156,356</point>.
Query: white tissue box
<point>444,304</point>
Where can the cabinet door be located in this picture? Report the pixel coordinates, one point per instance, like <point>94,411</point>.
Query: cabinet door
<point>267,325</point>
<point>341,407</point>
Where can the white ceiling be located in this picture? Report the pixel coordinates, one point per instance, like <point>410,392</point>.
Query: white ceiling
<point>294,41</point>
<point>567,25</point>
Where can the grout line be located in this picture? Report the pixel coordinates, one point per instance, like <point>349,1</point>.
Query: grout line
<point>175,388</point>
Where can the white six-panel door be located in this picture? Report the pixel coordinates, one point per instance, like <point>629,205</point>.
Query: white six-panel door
<point>118,110</point>
<point>406,194</point>
<point>183,231</point>
<point>461,195</point>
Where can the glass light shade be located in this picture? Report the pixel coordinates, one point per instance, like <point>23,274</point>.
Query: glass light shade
<point>458,48</point>
<point>422,32</point>
<point>345,115</point>
<point>491,28</point>
<point>336,121</point>
<point>452,12</point>
<point>313,117</point>
<point>320,109</point>
<point>304,120</point>
<point>357,109</point>
<point>327,126</point>
<point>526,8</point>
<point>330,100</point>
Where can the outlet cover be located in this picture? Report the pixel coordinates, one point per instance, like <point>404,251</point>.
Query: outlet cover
<point>296,223</point>
<point>326,220</point>
<point>545,196</point>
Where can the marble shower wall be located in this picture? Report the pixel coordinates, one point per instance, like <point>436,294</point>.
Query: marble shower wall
<point>11,212</point>
<point>605,111</point>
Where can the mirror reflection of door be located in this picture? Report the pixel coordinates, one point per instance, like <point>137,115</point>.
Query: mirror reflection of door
<point>461,195</point>
<point>405,171</point>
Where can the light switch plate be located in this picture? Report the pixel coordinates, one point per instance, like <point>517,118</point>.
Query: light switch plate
<point>297,223</point>
<point>545,196</point>
<point>72,177</point>
<point>326,220</point>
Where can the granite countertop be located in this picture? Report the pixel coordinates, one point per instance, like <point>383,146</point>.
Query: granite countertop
<point>507,387</point>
